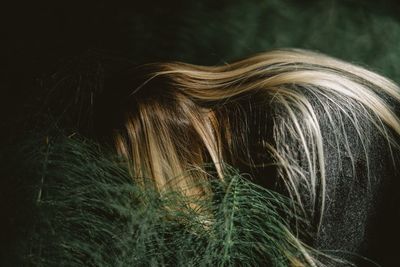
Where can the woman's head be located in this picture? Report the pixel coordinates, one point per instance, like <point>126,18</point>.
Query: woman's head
<point>183,123</point>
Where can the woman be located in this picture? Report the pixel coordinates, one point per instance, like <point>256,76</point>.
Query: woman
<point>318,134</point>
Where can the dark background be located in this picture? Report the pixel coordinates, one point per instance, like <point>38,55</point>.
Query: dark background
<point>41,37</point>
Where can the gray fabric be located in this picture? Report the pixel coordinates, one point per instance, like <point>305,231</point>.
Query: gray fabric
<point>361,215</point>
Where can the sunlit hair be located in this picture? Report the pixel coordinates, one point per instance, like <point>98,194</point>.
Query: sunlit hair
<point>262,111</point>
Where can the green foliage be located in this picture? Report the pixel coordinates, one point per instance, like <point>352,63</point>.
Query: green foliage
<point>87,211</point>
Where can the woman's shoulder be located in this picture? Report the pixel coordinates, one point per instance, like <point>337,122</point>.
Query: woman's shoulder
<point>359,156</point>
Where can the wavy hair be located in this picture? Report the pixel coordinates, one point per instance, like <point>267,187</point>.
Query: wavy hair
<point>262,115</point>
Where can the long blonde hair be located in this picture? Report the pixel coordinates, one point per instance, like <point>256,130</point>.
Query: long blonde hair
<point>183,116</point>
